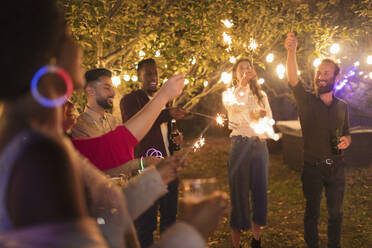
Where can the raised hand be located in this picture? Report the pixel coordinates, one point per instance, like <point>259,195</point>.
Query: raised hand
<point>291,42</point>
<point>169,167</point>
<point>173,87</point>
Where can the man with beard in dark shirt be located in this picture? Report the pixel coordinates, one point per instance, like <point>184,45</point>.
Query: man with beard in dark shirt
<point>325,129</point>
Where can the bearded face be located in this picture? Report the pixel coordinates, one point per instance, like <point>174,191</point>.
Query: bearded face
<point>325,78</point>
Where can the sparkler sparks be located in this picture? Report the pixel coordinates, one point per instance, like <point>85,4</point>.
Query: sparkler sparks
<point>220,120</point>
<point>228,97</point>
<point>264,128</point>
<point>252,44</point>
<point>227,23</point>
<point>199,144</point>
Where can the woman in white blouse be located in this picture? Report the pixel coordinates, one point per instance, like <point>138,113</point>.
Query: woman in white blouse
<point>249,158</point>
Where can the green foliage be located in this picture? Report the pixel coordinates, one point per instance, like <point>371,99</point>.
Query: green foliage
<point>113,32</point>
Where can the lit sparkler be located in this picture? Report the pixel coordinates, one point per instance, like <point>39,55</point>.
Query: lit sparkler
<point>227,23</point>
<point>199,144</point>
<point>228,97</point>
<point>264,128</point>
<point>252,44</point>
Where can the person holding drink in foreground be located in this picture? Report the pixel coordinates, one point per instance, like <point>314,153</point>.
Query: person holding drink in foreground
<point>325,128</point>
<point>249,158</point>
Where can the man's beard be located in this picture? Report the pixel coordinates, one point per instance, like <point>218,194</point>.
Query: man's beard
<point>327,88</point>
<point>104,103</point>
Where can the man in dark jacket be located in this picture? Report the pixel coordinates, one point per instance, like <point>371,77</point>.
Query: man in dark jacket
<point>156,138</point>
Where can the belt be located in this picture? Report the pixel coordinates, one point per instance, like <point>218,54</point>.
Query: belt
<point>325,163</point>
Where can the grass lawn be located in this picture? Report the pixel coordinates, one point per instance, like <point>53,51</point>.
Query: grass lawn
<point>286,202</point>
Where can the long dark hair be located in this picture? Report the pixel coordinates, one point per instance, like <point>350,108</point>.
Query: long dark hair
<point>253,83</point>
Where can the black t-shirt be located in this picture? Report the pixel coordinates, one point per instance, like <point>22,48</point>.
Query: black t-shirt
<point>320,123</point>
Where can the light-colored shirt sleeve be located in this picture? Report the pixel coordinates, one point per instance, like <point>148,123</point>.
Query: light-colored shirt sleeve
<point>142,191</point>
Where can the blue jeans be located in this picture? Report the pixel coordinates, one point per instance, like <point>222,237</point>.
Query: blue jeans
<point>313,181</point>
<point>248,167</point>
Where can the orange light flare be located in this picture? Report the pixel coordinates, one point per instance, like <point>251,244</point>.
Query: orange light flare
<point>199,144</point>
<point>220,119</point>
<point>264,128</point>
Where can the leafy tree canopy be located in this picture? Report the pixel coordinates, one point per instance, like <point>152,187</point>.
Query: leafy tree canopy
<point>187,36</point>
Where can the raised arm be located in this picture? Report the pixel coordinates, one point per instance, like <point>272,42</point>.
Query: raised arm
<point>291,46</point>
<point>141,122</point>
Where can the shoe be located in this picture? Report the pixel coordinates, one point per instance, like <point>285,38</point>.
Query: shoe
<point>256,243</point>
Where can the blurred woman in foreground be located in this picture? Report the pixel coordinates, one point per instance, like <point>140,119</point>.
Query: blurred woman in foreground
<point>49,195</point>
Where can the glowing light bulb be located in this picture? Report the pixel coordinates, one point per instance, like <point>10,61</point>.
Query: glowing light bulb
<point>261,81</point>
<point>317,62</point>
<point>357,63</point>
<point>232,59</point>
<point>227,23</point>
<point>281,76</point>
<point>126,77</point>
<point>142,54</point>
<point>270,58</point>
<point>134,78</point>
<point>226,77</point>
<point>298,73</point>
<point>157,54</point>
<point>193,61</point>
<point>186,81</point>
<point>369,60</point>
<point>116,81</point>
<point>165,80</point>
<point>280,69</point>
<point>205,83</point>
<point>335,48</point>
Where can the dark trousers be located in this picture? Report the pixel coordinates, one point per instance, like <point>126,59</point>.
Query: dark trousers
<point>333,180</point>
<point>146,224</point>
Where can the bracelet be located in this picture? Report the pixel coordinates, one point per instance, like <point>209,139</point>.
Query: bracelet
<point>142,167</point>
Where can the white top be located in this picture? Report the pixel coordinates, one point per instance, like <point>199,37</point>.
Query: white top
<point>239,113</point>
<point>164,131</point>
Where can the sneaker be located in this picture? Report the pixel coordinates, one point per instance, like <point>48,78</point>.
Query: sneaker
<point>256,243</point>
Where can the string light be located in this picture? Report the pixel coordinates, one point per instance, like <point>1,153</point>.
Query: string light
<point>157,54</point>
<point>357,63</point>
<point>116,81</point>
<point>280,69</point>
<point>232,59</point>
<point>193,61</point>
<point>261,81</point>
<point>186,81</point>
<point>226,77</point>
<point>227,23</point>
<point>317,62</point>
<point>134,78</point>
<point>126,77</point>
<point>335,48</point>
<point>298,73</point>
<point>270,58</point>
<point>369,60</point>
<point>205,83</point>
<point>142,54</point>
